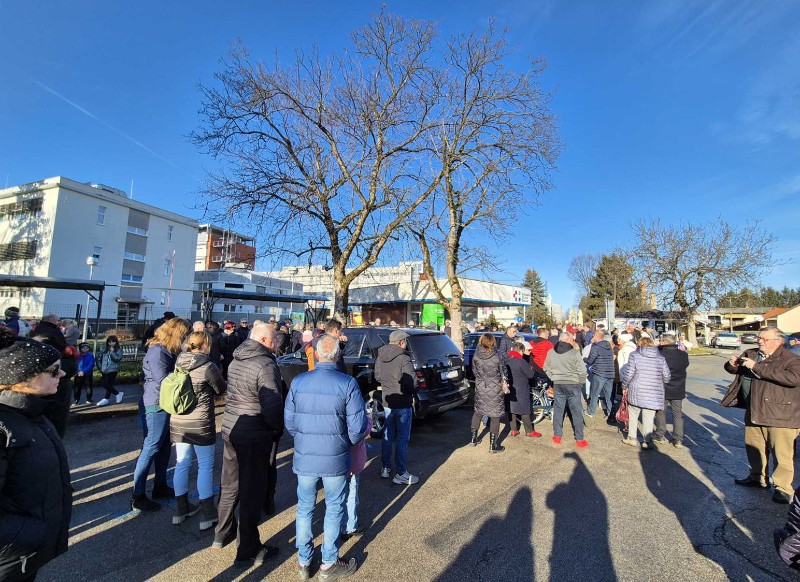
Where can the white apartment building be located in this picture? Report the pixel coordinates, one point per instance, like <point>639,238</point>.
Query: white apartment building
<point>49,229</point>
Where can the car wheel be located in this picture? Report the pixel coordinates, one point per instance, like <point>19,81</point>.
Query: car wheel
<point>537,408</point>
<point>378,415</point>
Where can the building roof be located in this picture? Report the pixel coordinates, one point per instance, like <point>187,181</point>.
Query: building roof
<point>221,230</point>
<point>776,312</point>
<point>741,310</point>
<point>51,283</point>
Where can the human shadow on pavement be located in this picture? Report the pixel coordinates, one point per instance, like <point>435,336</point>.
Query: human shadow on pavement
<point>581,521</point>
<point>501,549</point>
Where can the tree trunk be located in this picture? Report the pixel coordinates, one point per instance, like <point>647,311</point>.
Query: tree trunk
<point>692,330</point>
<point>341,296</point>
<point>456,317</point>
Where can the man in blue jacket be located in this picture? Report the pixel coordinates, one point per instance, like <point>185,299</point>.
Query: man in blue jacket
<point>325,414</point>
<point>601,361</point>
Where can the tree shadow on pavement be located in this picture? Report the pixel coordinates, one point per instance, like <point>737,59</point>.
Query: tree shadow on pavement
<point>501,549</point>
<point>581,521</point>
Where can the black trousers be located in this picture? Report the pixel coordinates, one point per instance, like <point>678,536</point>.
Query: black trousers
<point>244,484</point>
<point>79,383</point>
<point>107,382</point>
<point>526,422</point>
<point>272,477</point>
<point>494,423</point>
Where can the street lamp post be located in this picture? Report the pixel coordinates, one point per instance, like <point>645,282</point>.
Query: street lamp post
<point>93,262</point>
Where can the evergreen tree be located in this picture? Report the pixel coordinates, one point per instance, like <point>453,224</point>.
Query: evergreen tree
<point>613,278</point>
<point>537,312</point>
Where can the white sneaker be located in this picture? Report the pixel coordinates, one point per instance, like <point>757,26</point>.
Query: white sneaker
<point>386,472</point>
<point>103,402</point>
<point>405,478</point>
<point>119,397</point>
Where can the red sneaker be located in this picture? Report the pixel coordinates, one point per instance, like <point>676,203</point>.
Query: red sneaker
<point>533,433</point>
<point>581,444</point>
<point>514,433</point>
<point>557,439</point>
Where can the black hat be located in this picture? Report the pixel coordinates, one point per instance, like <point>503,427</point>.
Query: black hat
<point>24,359</point>
<point>84,345</point>
<point>168,315</point>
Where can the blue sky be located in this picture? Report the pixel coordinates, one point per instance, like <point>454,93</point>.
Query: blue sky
<point>684,110</point>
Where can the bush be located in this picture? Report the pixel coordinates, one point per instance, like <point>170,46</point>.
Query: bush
<point>129,373</point>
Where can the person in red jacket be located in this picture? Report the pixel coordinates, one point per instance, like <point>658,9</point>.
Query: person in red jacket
<point>540,346</point>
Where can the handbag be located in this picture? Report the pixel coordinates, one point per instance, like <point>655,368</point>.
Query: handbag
<point>622,411</point>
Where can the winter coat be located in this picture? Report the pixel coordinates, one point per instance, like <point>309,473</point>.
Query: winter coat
<point>254,404</point>
<point>488,370</point>
<point>198,427</point>
<point>789,546</point>
<point>678,362</point>
<point>297,340</point>
<point>228,342</point>
<point>325,415</point>
<point>645,376</point>
<point>109,360</point>
<point>396,375</point>
<point>358,452</point>
<point>539,349</point>
<point>504,345</point>
<point>601,359</point>
<point>35,490</point>
<point>520,373</point>
<point>243,333</point>
<point>564,365</point>
<point>71,335</point>
<point>214,352</point>
<point>158,363</point>
<point>773,390</point>
<point>623,355</point>
<point>86,363</point>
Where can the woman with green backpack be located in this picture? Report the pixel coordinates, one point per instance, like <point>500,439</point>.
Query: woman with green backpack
<point>194,430</point>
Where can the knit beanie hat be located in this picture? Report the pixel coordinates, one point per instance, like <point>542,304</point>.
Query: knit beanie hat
<point>24,359</point>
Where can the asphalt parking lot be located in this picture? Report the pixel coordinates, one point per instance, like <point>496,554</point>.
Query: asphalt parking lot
<point>539,511</point>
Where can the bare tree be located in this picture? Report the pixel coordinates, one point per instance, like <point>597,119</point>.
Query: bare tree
<point>582,269</point>
<point>493,152</point>
<point>691,265</point>
<point>323,157</point>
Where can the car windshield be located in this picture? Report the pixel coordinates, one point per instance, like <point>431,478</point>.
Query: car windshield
<point>727,335</point>
<point>432,347</point>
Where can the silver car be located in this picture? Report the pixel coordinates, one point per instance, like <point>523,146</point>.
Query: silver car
<point>726,340</point>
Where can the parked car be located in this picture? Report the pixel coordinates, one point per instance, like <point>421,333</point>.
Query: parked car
<point>438,363</point>
<point>726,340</point>
<point>471,342</point>
<point>749,338</point>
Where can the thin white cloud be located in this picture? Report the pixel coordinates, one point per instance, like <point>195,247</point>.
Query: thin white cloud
<point>111,127</point>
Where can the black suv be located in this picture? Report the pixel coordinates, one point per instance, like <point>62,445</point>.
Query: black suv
<point>438,363</point>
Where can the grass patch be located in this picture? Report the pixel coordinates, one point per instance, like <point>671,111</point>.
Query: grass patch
<point>129,373</point>
<point>700,352</point>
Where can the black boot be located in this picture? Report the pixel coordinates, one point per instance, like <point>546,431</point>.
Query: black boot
<point>208,513</point>
<point>475,440</point>
<point>163,492</point>
<point>494,446</point>
<point>183,509</point>
<point>143,503</point>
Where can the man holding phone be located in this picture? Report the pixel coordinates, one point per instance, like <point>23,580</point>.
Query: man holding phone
<point>767,386</point>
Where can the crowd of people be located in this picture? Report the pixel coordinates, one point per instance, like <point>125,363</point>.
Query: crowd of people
<point>628,375</point>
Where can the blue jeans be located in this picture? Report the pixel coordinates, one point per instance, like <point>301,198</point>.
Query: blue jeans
<point>398,430</point>
<point>335,498</point>
<point>205,469</point>
<point>602,389</point>
<point>350,523</point>
<point>156,447</point>
<point>568,395</point>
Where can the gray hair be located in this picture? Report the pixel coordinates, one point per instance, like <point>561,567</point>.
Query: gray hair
<point>51,318</point>
<point>668,339</point>
<point>777,332</point>
<point>600,334</point>
<point>565,337</point>
<point>262,330</point>
<point>328,348</point>
<point>198,326</point>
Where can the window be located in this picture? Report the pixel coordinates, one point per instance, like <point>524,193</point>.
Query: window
<point>355,346</point>
<point>218,243</point>
<point>134,256</point>
<point>96,252</point>
<point>101,215</point>
<point>131,278</point>
<point>167,270</point>
<point>22,209</point>
<point>18,251</point>
<point>170,228</point>
<point>137,230</point>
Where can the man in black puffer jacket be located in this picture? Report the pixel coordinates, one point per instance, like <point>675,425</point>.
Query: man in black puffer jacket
<point>674,391</point>
<point>251,428</point>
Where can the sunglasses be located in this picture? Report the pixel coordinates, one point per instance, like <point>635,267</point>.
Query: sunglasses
<point>54,371</point>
